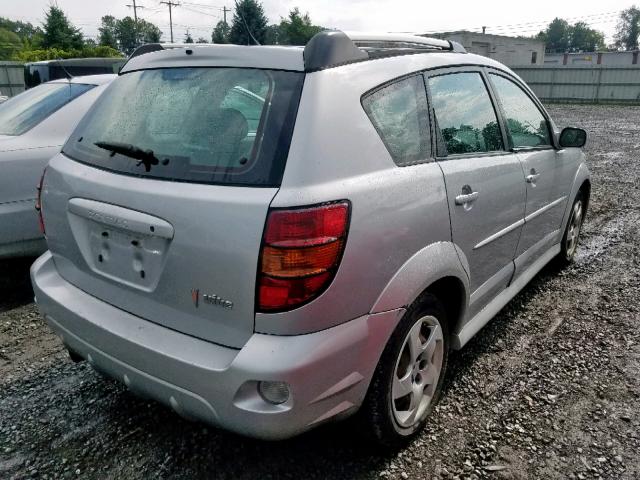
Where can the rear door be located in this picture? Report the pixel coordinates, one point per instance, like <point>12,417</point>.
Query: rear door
<point>529,135</point>
<point>485,184</point>
<point>158,202</point>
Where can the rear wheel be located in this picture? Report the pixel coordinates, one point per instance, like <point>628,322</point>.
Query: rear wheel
<point>569,244</point>
<point>409,377</point>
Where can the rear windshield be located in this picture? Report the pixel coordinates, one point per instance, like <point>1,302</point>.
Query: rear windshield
<point>204,125</point>
<point>23,112</point>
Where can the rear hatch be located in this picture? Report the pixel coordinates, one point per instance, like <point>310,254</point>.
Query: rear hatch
<point>158,201</point>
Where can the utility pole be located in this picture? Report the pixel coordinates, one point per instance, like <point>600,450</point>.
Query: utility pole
<point>224,12</point>
<point>135,17</point>
<point>170,4</point>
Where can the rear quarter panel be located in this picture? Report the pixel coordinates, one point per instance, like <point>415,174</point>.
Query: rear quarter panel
<point>337,154</point>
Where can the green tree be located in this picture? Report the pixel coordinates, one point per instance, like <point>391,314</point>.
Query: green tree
<point>221,32</point>
<point>10,44</point>
<point>59,32</point>
<point>585,38</point>
<point>188,38</point>
<point>130,34</point>
<point>29,34</point>
<point>628,29</point>
<point>202,40</point>
<point>557,36</point>
<point>108,32</point>
<point>249,23</point>
<point>297,29</point>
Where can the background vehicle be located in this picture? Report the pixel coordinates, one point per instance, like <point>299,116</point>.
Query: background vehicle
<point>36,73</point>
<point>33,127</point>
<point>378,217</point>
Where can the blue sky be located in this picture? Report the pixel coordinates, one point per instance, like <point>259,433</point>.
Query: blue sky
<point>501,17</point>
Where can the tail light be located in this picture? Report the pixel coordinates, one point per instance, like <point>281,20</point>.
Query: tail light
<point>39,202</point>
<point>300,254</point>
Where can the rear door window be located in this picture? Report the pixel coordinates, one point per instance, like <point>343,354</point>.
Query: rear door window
<point>400,115</point>
<point>465,119</point>
<point>23,112</point>
<point>204,125</point>
<point>526,125</point>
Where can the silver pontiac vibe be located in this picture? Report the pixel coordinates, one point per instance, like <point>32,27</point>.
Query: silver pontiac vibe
<point>270,238</point>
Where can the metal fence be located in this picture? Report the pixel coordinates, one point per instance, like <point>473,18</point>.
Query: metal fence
<point>590,84</point>
<point>11,78</point>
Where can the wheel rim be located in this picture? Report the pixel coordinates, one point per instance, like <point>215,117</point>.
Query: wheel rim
<point>417,371</point>
<point>575,224</point>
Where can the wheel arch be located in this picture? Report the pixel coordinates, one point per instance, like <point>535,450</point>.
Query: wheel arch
<point>581,182</point>
<point>436,269</point>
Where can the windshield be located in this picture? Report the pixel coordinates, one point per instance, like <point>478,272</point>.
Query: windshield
<point>207,125</point>
<point>23,112</point>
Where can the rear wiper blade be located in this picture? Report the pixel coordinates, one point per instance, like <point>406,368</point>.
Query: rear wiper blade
<point>146,157</point>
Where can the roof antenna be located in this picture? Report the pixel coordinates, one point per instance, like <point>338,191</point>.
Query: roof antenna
<point>245,24</point>
<point>66,72</point>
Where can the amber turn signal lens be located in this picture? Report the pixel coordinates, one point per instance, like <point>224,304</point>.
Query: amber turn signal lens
<point>299,262</point>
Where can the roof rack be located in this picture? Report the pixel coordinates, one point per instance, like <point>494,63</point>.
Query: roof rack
<point>333,47</point>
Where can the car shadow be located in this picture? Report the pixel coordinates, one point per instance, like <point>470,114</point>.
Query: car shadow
<point>15,284</point>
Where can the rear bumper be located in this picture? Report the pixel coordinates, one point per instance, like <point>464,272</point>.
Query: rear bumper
<point>328,372</point>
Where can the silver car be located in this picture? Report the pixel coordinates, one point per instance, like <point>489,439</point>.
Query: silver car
<point>271,238</point>
<point>33,127</point>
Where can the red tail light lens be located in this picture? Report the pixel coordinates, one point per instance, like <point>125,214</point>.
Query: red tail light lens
<point>300,254</point>
<point>39,202</point>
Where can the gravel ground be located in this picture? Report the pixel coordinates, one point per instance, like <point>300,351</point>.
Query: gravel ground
<point>549,389</point>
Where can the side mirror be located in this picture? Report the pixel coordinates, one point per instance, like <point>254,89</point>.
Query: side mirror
<point>573,138</point>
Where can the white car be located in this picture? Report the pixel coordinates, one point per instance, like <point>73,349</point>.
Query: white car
<point>33,127</point>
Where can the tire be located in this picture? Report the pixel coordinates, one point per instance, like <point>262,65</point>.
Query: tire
<point>392,417</point>
<point>571,236</point>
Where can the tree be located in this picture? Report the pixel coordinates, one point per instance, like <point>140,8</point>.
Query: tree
<point>29,34</point>
<point>59,32</point>
<point>188,38</point>
<point>561,37</point>
<point>221,32</point>
<point>585,39</point>
<point>131,34</point>
<point>249,23</point>
<point>202,40</point>
<point>108,34</point>
<point>628,29</point>
<point>10,44</point>
<point>297,29</point>
<point>557,36</point>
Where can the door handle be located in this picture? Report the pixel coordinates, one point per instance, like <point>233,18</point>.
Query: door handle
<point>467,198</point>
<point>533,178</point>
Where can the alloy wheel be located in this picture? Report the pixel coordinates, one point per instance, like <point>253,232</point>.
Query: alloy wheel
<point>417,371</point>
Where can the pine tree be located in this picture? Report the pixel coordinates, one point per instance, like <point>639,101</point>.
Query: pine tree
<point>59,32</point>
<point>221,33</point>
<point>249,23</point>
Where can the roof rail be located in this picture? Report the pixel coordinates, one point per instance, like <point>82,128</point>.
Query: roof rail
<point>332,48</point>
<point>396,40</point>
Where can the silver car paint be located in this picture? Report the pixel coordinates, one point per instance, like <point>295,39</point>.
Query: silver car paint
<point>399,243</point>
<point>22,159</point>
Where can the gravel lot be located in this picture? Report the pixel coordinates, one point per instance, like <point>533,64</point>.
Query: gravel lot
<point>550,389</point>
